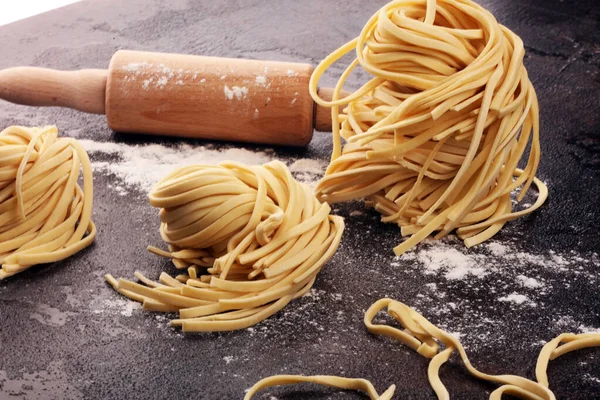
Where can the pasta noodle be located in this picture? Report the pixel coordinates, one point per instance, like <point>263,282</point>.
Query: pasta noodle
<point>45,216</point>
<point>435,138</point>
<point>248,239</point>
<point>325,380</point>
<point>422,336</point>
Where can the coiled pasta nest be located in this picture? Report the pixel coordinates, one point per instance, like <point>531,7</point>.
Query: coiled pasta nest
<point>45,216</point>
<point>248,239</point>
<point>434,139</point>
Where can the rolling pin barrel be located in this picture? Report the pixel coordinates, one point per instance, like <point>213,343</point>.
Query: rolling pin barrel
<point>209,97</point>
<point>183,95</point>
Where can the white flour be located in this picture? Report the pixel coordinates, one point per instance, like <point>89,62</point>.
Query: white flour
<point>141,166</point>
<point>515,282</point>
<point>261,80</point>
<point>236,92</point>
<point>515,298</point>
<point>530,283</point>
<point>445,258</point>
<point>588,329</point>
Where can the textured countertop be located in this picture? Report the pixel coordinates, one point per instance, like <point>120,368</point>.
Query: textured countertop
<point>64,334</point>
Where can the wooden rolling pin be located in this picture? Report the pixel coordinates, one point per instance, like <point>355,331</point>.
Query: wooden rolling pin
<point>183,95</point>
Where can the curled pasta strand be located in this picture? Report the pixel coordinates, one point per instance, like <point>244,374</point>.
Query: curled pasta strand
<point>249,238</point>
<point>45,216</point>
<point>325,380</point>
<point>425,338</point>
<point>434,139</point>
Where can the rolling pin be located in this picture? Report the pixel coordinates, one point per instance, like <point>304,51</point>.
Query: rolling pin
<point>183,95</point>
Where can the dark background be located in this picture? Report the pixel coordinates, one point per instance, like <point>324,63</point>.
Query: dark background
<point>65,334</point>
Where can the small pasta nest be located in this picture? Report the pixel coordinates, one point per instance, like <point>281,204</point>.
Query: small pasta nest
<point>45,216</point>
<point>434,139</point>
<point>249,239</point>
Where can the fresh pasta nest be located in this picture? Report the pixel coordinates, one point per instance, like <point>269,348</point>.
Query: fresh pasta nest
<point>45,216</point>
<point>434,139</point>
<point>249,239</point>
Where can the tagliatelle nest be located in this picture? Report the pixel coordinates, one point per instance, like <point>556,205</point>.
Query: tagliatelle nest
<point>250,240</point>
<point>44,215</point>
<point>434,139</point>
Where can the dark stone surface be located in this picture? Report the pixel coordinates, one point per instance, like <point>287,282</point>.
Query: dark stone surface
<point>65,334</point>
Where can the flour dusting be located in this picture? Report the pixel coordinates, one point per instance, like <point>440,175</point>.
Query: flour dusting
<point>308,171</point>
<point>261,80</point>
<point>141,166</point>
<point>236,92</point>
<point>514,298</point>
<point>460,282</point>
<point>448,260</point>
<point>588,329</point>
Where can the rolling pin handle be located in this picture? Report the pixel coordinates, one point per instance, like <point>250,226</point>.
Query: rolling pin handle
<point>83,90</point>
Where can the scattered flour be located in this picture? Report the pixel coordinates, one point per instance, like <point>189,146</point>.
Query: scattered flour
<point>141,166</point>
<point>588,329</point>
<point>592,378</point>
<point>453,263</point>
<point>128,311</point>
<point>236,92</point>
<point>228,359</point>
<point>121,191</point>
<point>261,80</point>
<point>309,166</point>
<point>514,298</point>
<point>136,66</point>
<point>356,213</point>
<point>162,82</point>
<point>308,171</point>
<point>458,281</point>
<point>314,294</point>
<point>564,322</point>
<point>529,282</point>
<point>497,249</point>
<point>125,307</point>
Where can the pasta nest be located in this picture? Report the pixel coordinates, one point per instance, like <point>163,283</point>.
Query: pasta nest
<point>249,239</point>
<point>45,216</point>
<point>434,139</point>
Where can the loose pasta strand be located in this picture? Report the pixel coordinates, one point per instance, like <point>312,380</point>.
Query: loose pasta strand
<point>427,339</point>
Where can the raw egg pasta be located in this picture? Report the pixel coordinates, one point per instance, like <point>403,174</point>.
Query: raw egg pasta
<point>425,338</point>
<point>248,239</point>
<point>435,138</point>
<point>45,216</point>
<point>324,380</point>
